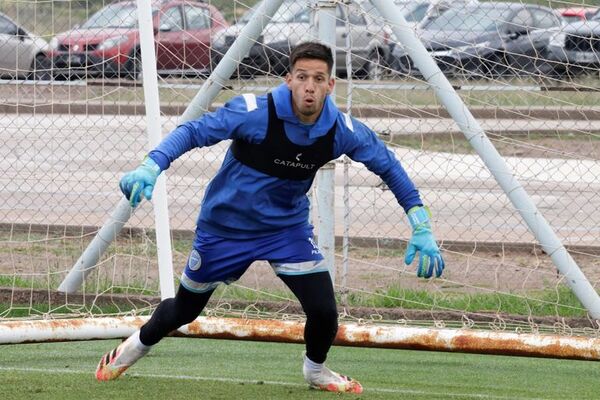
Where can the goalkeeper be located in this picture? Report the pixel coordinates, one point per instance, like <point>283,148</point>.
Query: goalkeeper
<point>256,208</point>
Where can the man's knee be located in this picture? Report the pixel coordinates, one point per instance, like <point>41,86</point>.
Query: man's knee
<point>315,293</point>
<point>186,315</point>
<point>322,311</point>
<point>175,313</point>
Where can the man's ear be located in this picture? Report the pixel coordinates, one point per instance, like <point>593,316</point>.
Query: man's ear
<point>331,85</point>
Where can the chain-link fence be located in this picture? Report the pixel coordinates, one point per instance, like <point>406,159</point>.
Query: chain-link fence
<point>74,121</point>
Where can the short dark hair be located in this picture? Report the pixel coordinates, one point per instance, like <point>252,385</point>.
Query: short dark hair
<point>312,51</point>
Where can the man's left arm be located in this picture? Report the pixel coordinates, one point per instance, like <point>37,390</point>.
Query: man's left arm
<point>363,145</point>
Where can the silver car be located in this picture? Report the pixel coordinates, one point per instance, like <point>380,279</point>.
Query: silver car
<point>294,23</point>
<point>22,54</point>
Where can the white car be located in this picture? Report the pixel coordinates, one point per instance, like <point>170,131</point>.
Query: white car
<point>292,24</point>
<point>22,54</point>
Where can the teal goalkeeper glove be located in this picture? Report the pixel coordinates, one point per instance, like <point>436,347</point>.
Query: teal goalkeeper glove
<point>140,182</point>
<point>422,240</point>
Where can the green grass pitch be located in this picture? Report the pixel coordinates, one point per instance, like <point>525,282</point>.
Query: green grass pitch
<point>181,368</point>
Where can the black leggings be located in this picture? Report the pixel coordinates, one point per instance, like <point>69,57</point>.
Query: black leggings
<point>314,291</point>
<point>172,313</point>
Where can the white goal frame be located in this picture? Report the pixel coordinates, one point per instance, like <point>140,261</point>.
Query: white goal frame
<point>350,334</point>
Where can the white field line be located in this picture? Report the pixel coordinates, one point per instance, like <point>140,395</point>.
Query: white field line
<point>274,383</point>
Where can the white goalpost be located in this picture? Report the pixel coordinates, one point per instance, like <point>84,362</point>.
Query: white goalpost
<point>508,164</point>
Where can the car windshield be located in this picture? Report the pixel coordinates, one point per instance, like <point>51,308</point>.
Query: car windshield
<point>113,16</point>
<point>412,11</point>
<point>290,11</point>
<point>480,19</point>
<point>596,17</point>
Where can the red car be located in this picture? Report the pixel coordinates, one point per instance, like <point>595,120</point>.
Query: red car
<point>108,43</point>
<point>576,14</point>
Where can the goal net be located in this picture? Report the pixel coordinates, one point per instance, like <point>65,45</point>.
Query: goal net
<point>69,134</point>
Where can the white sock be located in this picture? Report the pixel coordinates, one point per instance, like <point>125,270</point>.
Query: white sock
<point>132,351</point>
<point>138,345</point>
<point>312,367</point>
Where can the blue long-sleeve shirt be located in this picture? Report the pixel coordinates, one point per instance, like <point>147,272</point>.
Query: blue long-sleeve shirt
<point>242,202</point>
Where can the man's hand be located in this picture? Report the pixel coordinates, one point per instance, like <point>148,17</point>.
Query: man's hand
<point>140,182</point>
<point>422,241</point>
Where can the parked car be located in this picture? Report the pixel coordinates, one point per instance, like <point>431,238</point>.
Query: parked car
<point>415,12</point>
<point>293,23</point>
<point>22,53</point>
<point>575,47</point>
<point>108,44</point>
<point>576,14</point>
<point>488,39</point>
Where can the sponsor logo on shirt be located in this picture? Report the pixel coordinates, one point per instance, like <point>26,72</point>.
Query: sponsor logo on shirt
<point>294,164</point>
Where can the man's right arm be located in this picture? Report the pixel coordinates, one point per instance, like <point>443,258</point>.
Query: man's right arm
<point>208,130</point>
<point>205,131</point>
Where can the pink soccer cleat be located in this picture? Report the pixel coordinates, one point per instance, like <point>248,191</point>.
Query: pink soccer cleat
<point>331,381</point>
<point>116,361</point>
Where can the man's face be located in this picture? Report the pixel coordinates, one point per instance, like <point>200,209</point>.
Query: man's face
<point>310,83</point>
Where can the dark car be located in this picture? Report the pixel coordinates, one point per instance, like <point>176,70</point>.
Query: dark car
<point>575,47</point>
<point>108,44</point>
<point>415,12</point>
<point>487,39</point>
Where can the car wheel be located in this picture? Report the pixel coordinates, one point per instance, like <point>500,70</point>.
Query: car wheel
<point>375,68</point>
<point>494,66</point>
<point>134,67</point>
<point>40,68</point>
<point>546,68</point>
<point>403,66</point>
<point>571,73</point>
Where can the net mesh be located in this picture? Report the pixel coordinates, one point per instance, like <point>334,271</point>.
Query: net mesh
<point>72,128</point>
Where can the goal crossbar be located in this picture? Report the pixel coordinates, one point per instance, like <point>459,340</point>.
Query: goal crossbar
<point>349,334</point>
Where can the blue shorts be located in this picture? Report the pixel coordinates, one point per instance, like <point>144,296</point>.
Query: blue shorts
<point>214,259</point>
